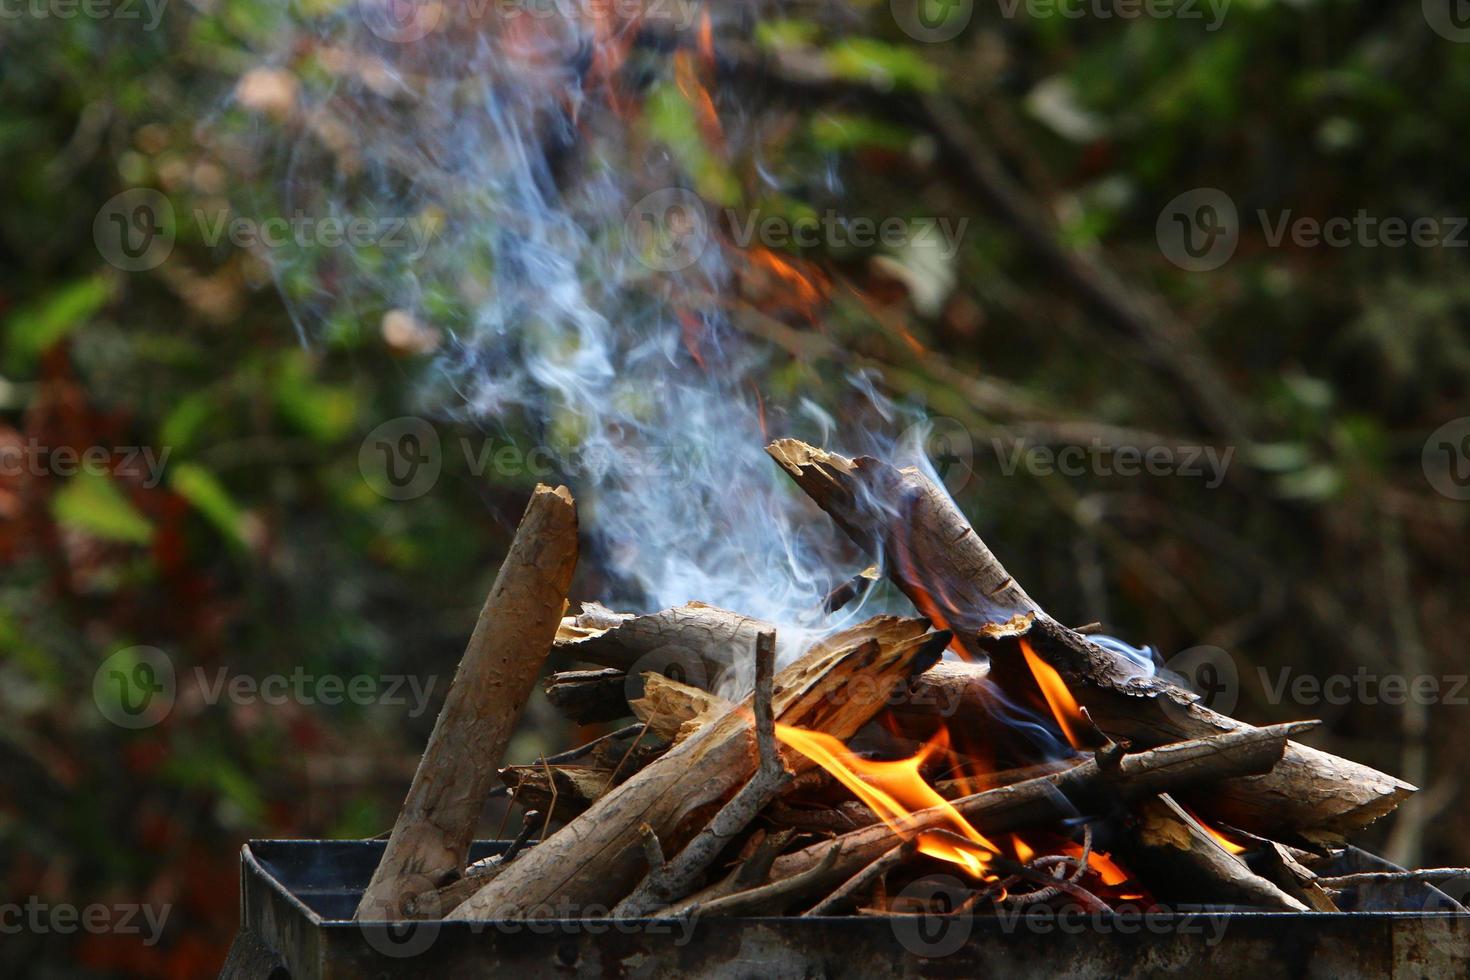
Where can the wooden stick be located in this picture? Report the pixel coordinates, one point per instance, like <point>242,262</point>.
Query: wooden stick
<point>431,837</point>
<point>667,881</point>
<point>933,554</point>
<point>595,860</point>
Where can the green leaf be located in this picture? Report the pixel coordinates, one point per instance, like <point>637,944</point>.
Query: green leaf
<point>865,59</point>
<point>35,328</point>
<point>202,489</point>
<point>93,504</point>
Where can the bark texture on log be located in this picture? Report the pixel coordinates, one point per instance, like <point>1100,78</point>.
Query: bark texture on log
<point>933,554</point>
<point>597,859</point>
<point>431,838</point>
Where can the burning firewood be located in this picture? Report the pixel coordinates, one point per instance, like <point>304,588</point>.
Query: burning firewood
<point>431,837</point>
<point>597,859</point>
<point>1195,862</point>
<point>696,809</point>
<point>933,554</point>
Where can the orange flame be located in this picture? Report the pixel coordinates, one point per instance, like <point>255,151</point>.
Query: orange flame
<point>1100,862</point>
<point>894,791</point>
<point>1214,834</point>
<point>1063,706</point>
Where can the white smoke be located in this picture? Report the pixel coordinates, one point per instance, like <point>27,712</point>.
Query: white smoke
<point>529,154</point>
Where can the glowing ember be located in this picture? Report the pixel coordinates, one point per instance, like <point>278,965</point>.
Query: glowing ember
<point>1063,706</point>
<point>894,790</point>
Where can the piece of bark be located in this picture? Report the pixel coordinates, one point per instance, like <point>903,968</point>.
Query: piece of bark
<point>596,859</point>
<point>693,643</point>
<point>517,624</point>
<point>1184,863</point>
<point>588,696</point>
<point>933,554</point>
<point>1098,785</point>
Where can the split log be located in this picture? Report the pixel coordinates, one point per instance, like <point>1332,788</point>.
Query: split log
<point>596,859</point>
<point>517,624</point>
<point>933,554</point>
<point>673,710</point>
<point>1099,785</point>
<point>588,696</point>
<point>692,643</point>
<point>1184,863</point>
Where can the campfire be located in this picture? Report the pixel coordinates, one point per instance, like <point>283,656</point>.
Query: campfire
<point>981,743</point>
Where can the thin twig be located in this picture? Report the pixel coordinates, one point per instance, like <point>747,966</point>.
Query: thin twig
<point>859,882</point>
<point>755,899</point>
<point>551,807</point>
<point>1384,877</point>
